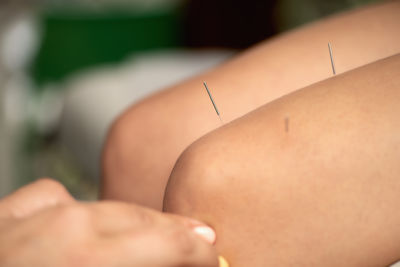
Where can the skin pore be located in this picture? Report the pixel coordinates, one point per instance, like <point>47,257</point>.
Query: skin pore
<point>325,192</point>
<point>146,140</point>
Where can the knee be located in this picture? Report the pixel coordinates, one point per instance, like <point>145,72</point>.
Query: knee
<point>199,182</point>
<point>212,182</point>
<point>136,158</point>
<point>115,147</point>
<point>126,135</point>
<point>115,151</point>
<point>206,185</point>
<point>125,142</point>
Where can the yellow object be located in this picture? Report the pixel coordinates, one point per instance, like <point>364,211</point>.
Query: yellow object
<point>222,262</point>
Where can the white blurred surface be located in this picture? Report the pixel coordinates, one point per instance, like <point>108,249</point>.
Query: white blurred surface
<point>18,42</point>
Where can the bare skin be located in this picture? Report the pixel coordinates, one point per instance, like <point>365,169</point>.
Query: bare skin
<point>323,191</point>
<point>146,140</point>
<point>42,225</point>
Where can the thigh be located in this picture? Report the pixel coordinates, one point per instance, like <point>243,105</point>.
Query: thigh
<point>311,179</point>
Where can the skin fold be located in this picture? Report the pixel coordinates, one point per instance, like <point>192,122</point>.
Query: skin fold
<point>146,140</point>
<point>323,191</point>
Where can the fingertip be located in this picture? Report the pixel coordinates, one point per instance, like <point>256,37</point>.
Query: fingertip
<point>202,230</point>
<point>206,233</point>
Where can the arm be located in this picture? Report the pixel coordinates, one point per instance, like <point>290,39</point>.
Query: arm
<point>322,192</point>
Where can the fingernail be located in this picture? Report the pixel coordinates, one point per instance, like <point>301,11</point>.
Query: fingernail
<point>206,233</point>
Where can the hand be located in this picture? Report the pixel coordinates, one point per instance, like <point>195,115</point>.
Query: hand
<point>40,228</point>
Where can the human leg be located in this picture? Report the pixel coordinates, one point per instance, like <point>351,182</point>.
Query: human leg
<point>147,139</point>
<point>310,179</point>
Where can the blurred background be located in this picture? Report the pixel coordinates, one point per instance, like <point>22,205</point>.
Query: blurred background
<point>69,67</point>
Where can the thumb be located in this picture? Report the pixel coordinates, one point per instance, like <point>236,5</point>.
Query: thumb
<point>34,197</point>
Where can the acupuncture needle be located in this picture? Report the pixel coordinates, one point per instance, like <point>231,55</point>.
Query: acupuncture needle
<point>212,101</point>
<point>331,55</point>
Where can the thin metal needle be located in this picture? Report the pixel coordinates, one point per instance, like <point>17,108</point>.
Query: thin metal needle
<point>212,101</point>
<point>331,55</point>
